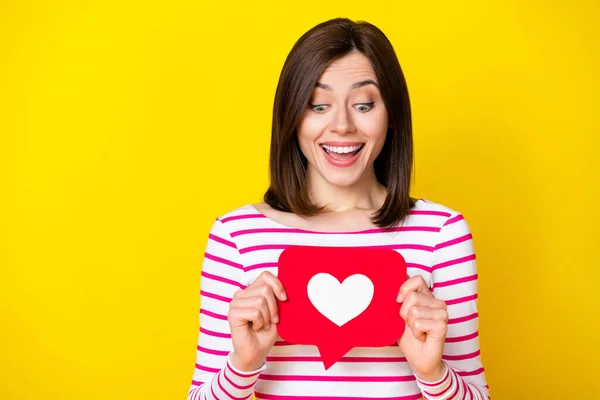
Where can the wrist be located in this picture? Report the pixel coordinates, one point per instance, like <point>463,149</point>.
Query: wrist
<point>242,365</point>
<point>434,375</point>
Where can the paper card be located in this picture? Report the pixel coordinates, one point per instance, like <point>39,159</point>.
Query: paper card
<point>340,298</point>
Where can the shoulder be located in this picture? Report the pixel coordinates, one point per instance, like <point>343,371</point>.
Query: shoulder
<point>424,205</point>
<point>244,212</point>
<point>451,226</point>
<point>444,218</point>
<point>239,219</point>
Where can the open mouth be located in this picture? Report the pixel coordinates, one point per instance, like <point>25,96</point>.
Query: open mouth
<point>342,153</point>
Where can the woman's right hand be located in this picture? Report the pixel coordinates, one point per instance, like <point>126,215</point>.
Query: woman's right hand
<point>252,318</point>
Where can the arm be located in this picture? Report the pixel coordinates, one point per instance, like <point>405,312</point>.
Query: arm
<point>454,280</point>
<point>222,272</point>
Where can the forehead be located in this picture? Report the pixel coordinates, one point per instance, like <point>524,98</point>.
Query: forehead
<point>353,67</point>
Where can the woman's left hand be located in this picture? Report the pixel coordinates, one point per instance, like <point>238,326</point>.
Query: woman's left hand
<point>426,325</point>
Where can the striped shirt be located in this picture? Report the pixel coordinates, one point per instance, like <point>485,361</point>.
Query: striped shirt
<point>436,243</point>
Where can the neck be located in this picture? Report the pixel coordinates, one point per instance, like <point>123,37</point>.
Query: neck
<point>367,193</point>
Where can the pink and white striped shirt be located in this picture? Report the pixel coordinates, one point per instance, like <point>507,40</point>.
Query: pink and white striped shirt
<point>436,243</point>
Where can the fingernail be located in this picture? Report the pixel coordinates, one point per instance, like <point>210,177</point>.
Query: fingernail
<point>276,319</point>
<point>399,298</point>
<point>268,326</point>
<point>283,296</point>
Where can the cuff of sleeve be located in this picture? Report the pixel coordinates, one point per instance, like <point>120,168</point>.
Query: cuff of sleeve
<point>233,383</point>
<point>437,388</point>
<point>244,374</point>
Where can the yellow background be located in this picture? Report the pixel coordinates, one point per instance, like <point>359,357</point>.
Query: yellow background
<point>127,127</point>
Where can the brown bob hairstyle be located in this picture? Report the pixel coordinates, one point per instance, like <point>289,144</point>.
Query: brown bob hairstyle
<point>310,55</point>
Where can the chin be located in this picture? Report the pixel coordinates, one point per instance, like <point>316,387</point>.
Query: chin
<point>341,178</point>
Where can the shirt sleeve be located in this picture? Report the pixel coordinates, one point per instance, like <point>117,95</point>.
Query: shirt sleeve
<point>454,280</point>
<point>222,275</point>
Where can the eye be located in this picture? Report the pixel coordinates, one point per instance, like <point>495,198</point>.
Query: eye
<point>364,107</point>
<point>318,108</point>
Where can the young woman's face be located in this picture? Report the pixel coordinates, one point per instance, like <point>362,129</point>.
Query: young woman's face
<point>344,126</point>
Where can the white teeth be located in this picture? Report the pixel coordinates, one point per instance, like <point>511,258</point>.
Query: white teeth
<point>341,150</point>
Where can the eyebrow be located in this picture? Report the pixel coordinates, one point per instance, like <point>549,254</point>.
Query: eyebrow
<point>354,85</point>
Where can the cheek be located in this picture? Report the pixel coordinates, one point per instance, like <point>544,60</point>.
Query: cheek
<point>378,148</point>
<point>309,130</point>
<point>310,127</point>
<point>375,129</point>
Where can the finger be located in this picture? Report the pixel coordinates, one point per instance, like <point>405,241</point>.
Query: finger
<point>242,316</point>
<point>419,299</point>
<point>256,302</point>
<point>267,292</point>
<point>414,284</point>
<point>423,328</point>
<point>275,284</point>
<point>418,312</point>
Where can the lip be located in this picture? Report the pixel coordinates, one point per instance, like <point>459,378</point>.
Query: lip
<point>340,163</point>
<point>342,144</point>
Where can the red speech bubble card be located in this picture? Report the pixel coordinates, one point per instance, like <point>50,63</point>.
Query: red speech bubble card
<point>340,298</point>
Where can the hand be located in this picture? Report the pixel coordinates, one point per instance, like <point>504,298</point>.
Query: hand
<point>252,317</point>
<point>426,325</point>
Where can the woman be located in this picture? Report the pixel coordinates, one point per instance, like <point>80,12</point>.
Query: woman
<point>340,170</point>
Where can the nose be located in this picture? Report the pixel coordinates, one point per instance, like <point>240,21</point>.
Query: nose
<point>341,121</point>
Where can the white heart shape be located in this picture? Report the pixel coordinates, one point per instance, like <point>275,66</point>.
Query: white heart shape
<point>343,302</point>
